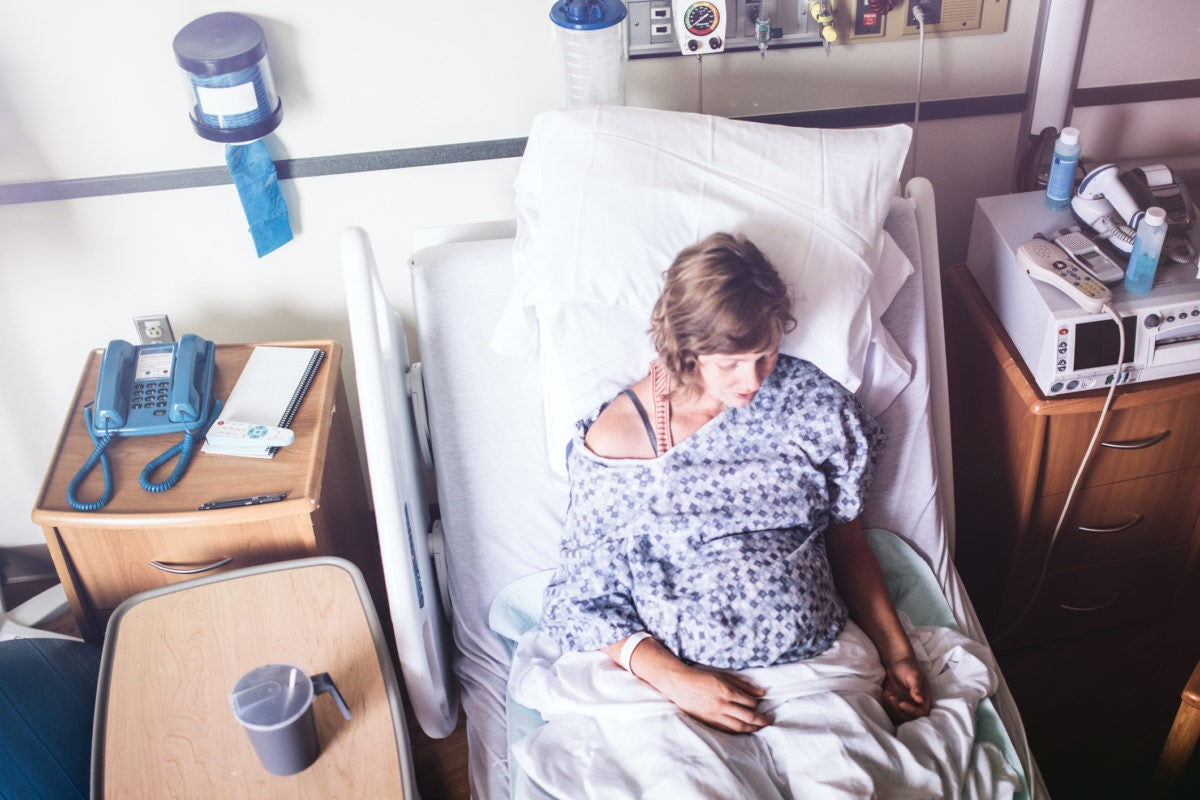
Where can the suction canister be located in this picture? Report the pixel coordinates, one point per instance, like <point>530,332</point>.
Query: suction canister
<point>592,39</point>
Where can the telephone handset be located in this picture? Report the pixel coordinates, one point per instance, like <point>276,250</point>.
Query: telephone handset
<point>155,388</point>
<point>1047,262</point>
<point>144,390</point>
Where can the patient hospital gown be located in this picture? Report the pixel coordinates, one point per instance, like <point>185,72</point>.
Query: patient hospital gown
<point>717,547</point>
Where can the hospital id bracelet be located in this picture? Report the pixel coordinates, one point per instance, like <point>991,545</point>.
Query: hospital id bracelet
<point>627,649</point>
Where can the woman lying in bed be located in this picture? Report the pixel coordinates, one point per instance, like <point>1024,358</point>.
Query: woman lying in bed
<point>713,520</point>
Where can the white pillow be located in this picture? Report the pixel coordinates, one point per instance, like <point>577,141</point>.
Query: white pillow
<point>607,196</point>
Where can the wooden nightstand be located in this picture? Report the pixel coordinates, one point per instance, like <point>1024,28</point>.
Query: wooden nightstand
<point>1130,540</point>
<point>142,541</point>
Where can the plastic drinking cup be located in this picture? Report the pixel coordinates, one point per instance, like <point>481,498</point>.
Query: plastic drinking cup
<point>274,705</point>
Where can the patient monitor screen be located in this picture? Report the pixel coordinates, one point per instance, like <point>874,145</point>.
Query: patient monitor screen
<point>1096,343</point>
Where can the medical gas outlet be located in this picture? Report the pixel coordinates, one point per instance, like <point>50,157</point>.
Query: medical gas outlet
<point>700,26</point>
<point>675,27</point>
<point>661,27</point>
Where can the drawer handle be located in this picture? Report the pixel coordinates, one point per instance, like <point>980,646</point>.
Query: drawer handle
<point>178,570</point>
<point>1086,609</point>
<point>1137,444</point>
<point>1112,528</point>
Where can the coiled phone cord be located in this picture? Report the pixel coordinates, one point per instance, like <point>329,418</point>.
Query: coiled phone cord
<point>185,449</point>
<point>99,455</point>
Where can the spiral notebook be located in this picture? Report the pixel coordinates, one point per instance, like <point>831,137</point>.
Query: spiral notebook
<point>269,392</point>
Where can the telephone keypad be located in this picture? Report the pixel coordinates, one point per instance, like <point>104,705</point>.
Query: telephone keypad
<point>149,394</point>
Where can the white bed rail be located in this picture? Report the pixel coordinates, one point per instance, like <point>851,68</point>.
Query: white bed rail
<point>401,512</point>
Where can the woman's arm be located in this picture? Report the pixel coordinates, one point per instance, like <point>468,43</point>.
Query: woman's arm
<point>721,699</point>
<point>860,581</point>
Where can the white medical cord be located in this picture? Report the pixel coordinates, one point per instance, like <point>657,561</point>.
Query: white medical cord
<point>919,16</point>
<point>1112,390</point>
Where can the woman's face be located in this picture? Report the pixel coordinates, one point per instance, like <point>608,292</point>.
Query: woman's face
<point>734,379</point>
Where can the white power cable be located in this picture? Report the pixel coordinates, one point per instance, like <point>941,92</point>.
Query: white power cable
<point>918,13</point>
<point>1087,455</point>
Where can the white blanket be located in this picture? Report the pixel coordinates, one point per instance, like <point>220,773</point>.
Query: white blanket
<point>609,735</point>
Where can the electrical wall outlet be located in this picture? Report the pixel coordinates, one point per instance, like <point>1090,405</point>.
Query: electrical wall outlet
<point>153,329</point>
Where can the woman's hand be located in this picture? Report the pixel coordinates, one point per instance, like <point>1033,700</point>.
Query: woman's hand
<point>724,700</point>
<point>906,693</point>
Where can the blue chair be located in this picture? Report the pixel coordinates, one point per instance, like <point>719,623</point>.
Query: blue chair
<point>47,703</point>
<point>47,698</point>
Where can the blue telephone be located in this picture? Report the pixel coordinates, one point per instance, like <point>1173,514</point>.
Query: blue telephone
<point>154,388</point>
<point>144,390</point>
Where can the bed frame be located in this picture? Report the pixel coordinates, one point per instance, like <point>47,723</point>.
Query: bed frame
<point>396,434</point>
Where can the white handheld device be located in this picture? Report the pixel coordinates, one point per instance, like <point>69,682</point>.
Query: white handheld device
<point>1087,254</point>
<point>230,433</point>
<point>1046,262</point>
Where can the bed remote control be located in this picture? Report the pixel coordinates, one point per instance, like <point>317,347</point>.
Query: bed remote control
<point>229,433</point>
<point>1048,263</point>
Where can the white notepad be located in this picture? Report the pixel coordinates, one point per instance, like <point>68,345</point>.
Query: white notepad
<point>269,392</point>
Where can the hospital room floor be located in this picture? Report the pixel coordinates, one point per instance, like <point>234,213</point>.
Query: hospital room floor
<point>1097,708</point>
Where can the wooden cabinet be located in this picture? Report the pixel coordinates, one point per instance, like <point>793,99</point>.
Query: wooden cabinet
<point>1128,543</point>
<point>143,541</point>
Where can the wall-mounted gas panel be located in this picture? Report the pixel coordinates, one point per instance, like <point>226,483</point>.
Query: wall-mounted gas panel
<point>652,25</point>
<point>867,23</point>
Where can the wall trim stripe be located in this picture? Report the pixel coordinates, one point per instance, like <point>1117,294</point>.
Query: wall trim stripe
<point>36,191</point>
<point>433,155</point>
<point>1136,93</point>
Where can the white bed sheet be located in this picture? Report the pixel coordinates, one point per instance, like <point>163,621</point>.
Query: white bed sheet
<point>502,506</point>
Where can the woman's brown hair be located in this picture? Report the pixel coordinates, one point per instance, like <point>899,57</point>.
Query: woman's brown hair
<point>721,295</point>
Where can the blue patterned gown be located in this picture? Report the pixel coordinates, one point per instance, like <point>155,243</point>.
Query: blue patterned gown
<point>717,547</point>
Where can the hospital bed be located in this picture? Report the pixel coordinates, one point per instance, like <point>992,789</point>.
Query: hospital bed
<point>483,411</point>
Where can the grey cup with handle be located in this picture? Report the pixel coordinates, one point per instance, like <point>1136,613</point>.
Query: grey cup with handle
<point>274,705</point>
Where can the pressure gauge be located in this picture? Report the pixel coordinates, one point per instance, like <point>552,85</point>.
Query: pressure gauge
<point>701,28</point>
<point>701,18</point>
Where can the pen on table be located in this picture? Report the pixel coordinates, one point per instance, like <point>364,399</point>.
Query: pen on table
<point>256,500</point>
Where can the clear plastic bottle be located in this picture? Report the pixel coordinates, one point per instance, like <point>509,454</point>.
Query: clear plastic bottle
<point>1143,261</point>
<point>1061,183</point>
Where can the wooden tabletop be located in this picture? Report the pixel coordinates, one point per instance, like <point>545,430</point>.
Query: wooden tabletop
<point>295,469</point>
<point>165,727</point>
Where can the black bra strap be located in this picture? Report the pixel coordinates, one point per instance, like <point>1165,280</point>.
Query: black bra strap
<point>637,404</point>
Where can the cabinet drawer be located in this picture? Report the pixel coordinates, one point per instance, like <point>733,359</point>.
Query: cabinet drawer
<point>1159,437</point>
<point>112,565</point>
<point>1115,521</point>
<point>1092,598</point>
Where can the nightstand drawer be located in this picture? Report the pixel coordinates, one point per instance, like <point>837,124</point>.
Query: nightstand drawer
<point>111,565</point>
<point>1091,598</point>
<point>1149,439</point>
<point>1118,520</point>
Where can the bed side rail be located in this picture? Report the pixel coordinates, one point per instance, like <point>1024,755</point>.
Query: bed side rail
<point>383,377</point>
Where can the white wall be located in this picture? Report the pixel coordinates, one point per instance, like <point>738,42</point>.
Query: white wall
<point>91,90</point>
<point>1128,43</point>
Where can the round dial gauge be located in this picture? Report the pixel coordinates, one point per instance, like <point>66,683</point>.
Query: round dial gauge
<point>701,18</point>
